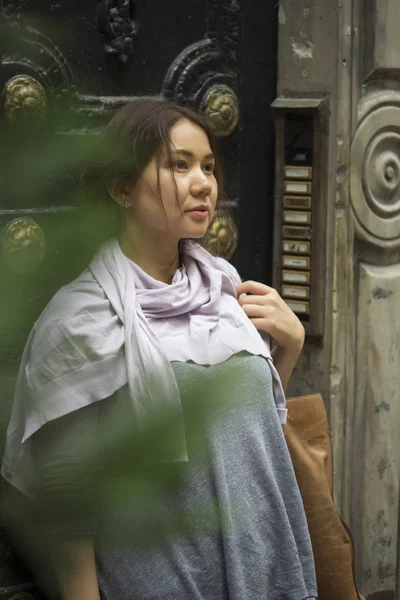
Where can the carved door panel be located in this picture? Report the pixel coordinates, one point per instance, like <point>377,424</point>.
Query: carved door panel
<point>374,189</point>
<point>345,56</point>
<point>64,67</point>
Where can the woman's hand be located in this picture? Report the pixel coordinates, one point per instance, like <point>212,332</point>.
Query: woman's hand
<point>269,313</point>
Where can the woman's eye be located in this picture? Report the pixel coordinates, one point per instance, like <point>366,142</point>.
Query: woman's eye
<point>180,164</point>
<point>209,167</point>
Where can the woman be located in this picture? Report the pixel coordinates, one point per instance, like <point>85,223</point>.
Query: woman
<point>152,317</point>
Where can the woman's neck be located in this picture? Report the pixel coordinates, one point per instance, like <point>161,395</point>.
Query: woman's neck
<point>157,256</point>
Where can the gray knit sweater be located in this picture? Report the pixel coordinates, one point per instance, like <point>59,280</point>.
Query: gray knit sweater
<point>229,524</point>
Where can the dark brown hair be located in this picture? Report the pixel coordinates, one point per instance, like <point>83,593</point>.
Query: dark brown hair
<point>136,133</point>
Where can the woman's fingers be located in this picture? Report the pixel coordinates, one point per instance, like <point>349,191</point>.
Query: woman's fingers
<point>250,299</point>
<point>259,324</point>
<point>253,287</point>
<point>254,310</point>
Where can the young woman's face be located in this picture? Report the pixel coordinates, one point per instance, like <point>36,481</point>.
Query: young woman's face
<point>188,203</point>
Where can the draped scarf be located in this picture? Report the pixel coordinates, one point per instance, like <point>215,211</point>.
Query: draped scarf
<point>115,325</point>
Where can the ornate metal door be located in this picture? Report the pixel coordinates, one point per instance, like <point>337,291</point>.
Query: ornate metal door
<point>64,66</point>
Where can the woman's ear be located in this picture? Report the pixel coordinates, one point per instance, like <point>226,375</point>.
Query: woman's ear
<point>121,194</point>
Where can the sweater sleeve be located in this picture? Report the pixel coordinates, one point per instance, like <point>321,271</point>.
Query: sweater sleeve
<point>63,449</point>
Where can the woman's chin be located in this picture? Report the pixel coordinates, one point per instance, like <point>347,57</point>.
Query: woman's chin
<point>197,236</point>
<point>195,233</point>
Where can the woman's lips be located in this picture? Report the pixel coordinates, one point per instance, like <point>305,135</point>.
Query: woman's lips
<point>199,214</point>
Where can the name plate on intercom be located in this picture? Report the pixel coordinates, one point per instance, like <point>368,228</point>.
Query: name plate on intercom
<point>296,276</point>
<point>296,247</point>
<point>297,217</point>
<point>296,262</point>
<point>302,308</point>
<point>298,187</point>
<point>297,232</point>
<point>297,202</point>
<point>298,172</point>
<point>295,291</point>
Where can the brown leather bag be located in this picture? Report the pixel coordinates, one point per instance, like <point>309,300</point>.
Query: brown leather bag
<point>308,440</point>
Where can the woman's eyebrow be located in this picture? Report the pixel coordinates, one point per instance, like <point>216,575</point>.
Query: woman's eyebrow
<point>190,154</point>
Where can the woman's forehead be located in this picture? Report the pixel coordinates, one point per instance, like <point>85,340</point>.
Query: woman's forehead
<point>186,135</point>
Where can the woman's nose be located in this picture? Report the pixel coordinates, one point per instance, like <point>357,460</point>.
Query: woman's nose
<point>200,186</point>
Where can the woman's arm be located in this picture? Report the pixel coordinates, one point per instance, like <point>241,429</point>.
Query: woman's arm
<point>75,569</point>
<point>270,314</point>
<point>66,502</point>
<point>285,360</point>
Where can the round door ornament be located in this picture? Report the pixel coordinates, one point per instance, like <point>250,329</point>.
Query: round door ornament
<point>222,236</point>
<point>375,176</point>
<point>23,245</point>
<point>25,101</point>
<point>220,105</point>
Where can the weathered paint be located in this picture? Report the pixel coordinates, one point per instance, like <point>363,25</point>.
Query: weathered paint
<point>302,47</point>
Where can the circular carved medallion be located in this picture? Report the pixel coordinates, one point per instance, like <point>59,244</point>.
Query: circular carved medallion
<point>221,107</point>
<point>25,100</point>
<point>381,176</point>
<point>222,236</point>
<point>375,175</point>
<point>23,245</point>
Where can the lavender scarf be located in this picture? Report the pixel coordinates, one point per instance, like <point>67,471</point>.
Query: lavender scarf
<point>115,325</point>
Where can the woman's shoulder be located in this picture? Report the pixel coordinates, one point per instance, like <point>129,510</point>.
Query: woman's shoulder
<point>73,298</point>
<point>78,316</point>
